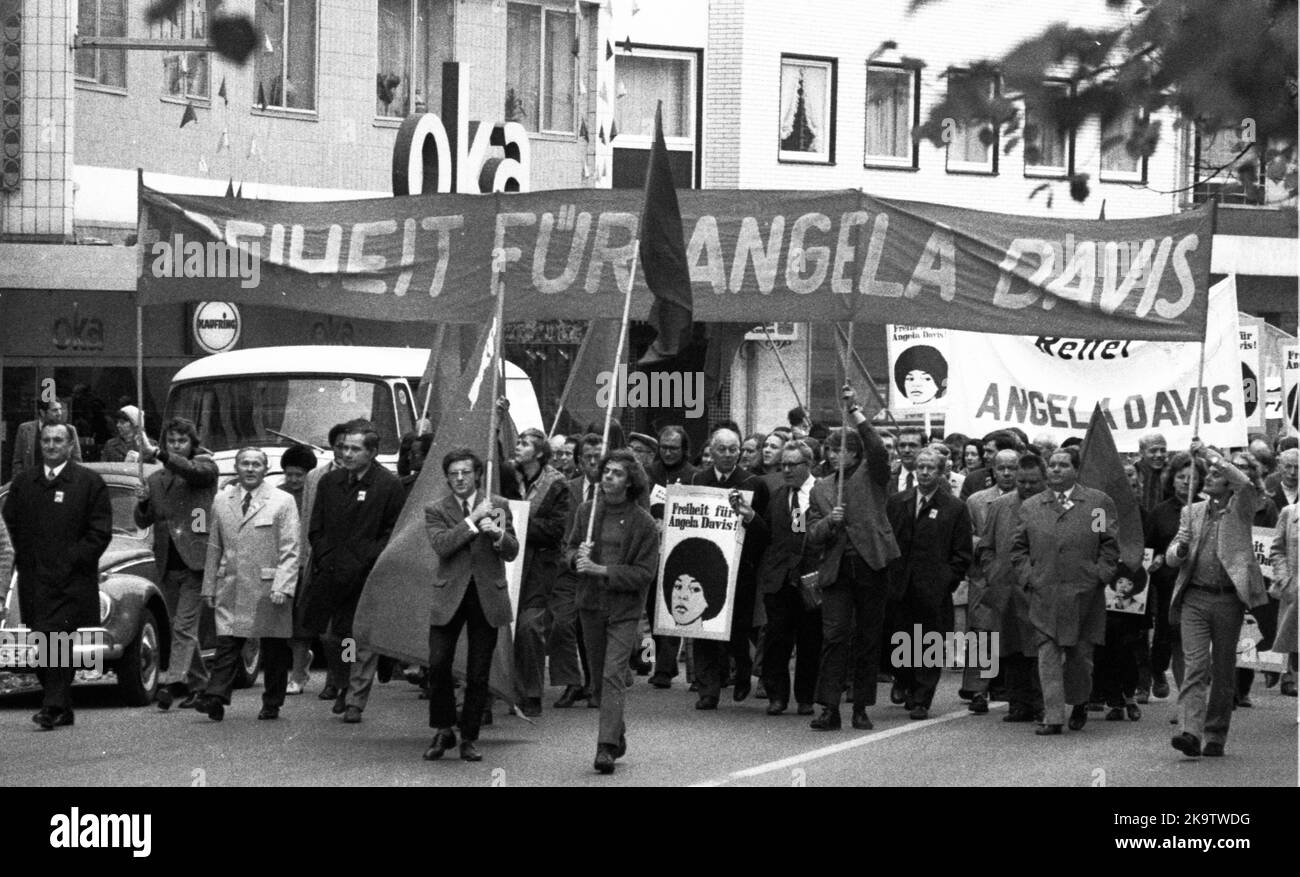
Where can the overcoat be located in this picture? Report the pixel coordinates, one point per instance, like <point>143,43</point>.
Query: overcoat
<point>249,556</point>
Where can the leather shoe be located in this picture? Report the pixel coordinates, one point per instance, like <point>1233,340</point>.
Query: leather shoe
<point>1047,730</point>
<point>329,692</point>
<point>604,762</point>
<point>1188,744</point>
<point>1018,715</point>
<point>340,704</point>
<point>1115,714</point>
<point>48,720</point>
<point>1131,710</point>
<point>861,721</point>
<point>1244,701</point>
<point>443,740</point>
<point>776,707</point>
<point>742,690</point>
<point>805,709</point>
<point>965,694</point>
<point>829,720</point>
<point>1079,717</point>
<point>268,713</point>
<point>571,695</point>
<point>1288,688</point>
<point>897,694</point>
<point>706,702</point>
<point>661,681</point>
<point>531,707</point>
<point>979,704</point>
<point>919,713</point>
<point>190,702</point>
<point>469,752</point>
<point>212,707</point>
<point>165,696</point>
<point>1160,686</point>
<point>1213,750</point>
<point>352,715</point>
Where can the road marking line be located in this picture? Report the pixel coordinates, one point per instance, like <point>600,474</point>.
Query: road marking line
<point>825,751</point>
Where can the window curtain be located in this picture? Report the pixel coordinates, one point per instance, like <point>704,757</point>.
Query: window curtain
<point>649,80</point>
<point>523,51</point>
<point>811,81</point>
<point>889,112</point>
<point>393,63</point>
<point>300,56</point>
<point>560,62</point>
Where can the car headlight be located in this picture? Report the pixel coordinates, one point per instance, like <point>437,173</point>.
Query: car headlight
<point>105,606</point>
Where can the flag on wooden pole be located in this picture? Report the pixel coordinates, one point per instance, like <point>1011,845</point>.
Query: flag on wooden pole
<point>663,256</point>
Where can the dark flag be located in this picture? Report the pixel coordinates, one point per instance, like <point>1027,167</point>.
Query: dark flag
<point>593,375</point>
<point>663,256</point>
<point>1101,468</point>
<point>230,188</point>
<point>189,115</point>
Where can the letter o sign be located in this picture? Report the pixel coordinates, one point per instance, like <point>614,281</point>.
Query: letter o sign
<point>422,151</point>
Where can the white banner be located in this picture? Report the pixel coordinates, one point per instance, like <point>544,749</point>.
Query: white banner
<point>1252,375</point>
<point>918,365</point>
<point>1261,539</point>
<point>698,562</point>
<point>1051,385</point>
<point>1290,380</point>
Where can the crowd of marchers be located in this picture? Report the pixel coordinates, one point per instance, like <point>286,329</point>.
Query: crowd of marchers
<point>853,536</point>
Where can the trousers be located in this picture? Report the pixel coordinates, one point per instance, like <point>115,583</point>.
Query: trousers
<point>792,628</point>
<point>183,588</point>
<point>609,646</point>
<point>276,657</point>
<point>442,653</point>
<point>1065,673</point>
<point>853,625</point>
<point>1209,627</point>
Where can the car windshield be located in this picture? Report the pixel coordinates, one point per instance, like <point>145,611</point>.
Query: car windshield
<point>123,500</point>
<point>232,413</point>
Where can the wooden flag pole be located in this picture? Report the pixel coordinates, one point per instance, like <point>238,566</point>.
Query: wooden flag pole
<point>494,418</point>
<point>432,369</point>
<point>844,413</point>
<point>857,360</point>
<point>781,362</point>
<point>1191,448</point>
<point>618,357</point>
<point>140,438</point>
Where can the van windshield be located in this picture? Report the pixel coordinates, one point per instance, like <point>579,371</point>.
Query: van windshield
<point>249,410</point>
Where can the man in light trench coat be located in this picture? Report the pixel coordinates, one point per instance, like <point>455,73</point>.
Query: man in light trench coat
<point>249,578</point>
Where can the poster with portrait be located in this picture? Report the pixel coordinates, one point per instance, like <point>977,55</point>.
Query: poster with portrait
<point>698,561</point>
<point>918,366</point>
<point>1128,593</point>
<point>1291,388</point>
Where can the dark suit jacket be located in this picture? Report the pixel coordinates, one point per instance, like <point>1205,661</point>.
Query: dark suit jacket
<point>934,549</point>
<point>756,537</point>
<point>27,448</point>
<point>347,535</point>
<point>175,492</point>
<point>788,554</point>
<point>59,529</point>
<point>976,480</point>
<point>464,556</point>
<point>865,522</point>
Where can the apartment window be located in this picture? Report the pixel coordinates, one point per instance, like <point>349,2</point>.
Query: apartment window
<point>414,40</point>
<point>185,74</point>
<point>644,79</point>
<point>891,112</point>
<point>1221,157</point>
<point>541,68</point>
<point>1049,147</point>
<point>286,60</point>
<point>1117,163</point>
<point>974,146</point>
<point>807,129</point>
<point>102,18</point>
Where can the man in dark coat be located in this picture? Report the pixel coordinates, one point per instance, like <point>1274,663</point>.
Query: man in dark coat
<point>60,519</point>
<point>933,532</point>
<point>710,655</point>
<point>857,545</point>
<point>529,477</point>
<point>563,645</point>
<point>354,513</point>
<point>177,501</point>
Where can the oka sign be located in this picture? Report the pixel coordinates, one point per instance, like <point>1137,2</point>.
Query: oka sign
<point>450,154</point>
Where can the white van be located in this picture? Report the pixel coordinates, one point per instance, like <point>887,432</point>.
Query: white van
<point>271,397</point>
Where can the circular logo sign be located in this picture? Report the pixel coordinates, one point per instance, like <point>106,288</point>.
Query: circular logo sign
<point>216,325</point>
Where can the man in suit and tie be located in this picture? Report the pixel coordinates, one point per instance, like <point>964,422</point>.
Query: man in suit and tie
<point>1218,580</point>
<point>909,443</point>
<point>1066,551</point>
<point>352,518</point>
<point>249,577</point>
<point>177,502</point>
<point>60,520</point>
<point>792,627</point>
<point>1004,602</point>
<point>857,545</point>
<point>933,531</point>
<point>27,441</point>
<point>711,655</point>
<point>980,615</point>
<point>563,645</point>
<point>474,539</point>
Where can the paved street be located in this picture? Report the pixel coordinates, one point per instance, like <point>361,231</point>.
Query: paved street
<point>670,744</point>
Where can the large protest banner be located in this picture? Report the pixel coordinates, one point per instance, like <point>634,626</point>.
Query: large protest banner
<point>1252,375</point>
<point>918,366</point>
<point>753,256</point>
<point>1051,384</point>
<point>698,561</point>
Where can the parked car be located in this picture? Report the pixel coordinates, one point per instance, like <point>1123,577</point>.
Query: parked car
<point>133,640</point>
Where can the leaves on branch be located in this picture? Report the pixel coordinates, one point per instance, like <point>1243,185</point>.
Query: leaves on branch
<point>234,37</point>
<point>1079,187</point>
<point>162,10</point>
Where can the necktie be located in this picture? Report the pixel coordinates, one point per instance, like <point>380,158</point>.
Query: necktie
<point>591,489</point>
<point>920,504</point>
<point>796,519</point>
<point>464,504</point>
<point>248,500</point>
<point>911,481</point>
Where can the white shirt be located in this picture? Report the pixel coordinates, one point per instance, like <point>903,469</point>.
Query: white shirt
<point>901,484</point>
<point>1064,496</point>
<point>51,474</point>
